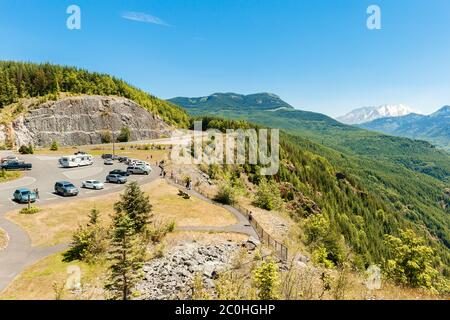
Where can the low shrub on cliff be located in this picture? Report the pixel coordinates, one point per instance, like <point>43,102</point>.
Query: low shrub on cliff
<point>125,135</point>
<point>106,137</point>
<point>26,149</point>
<point>54,146</point>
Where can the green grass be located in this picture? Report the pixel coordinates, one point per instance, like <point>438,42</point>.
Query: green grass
<point>6,176</point>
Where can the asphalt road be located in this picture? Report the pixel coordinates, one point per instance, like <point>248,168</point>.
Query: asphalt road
<point>46,171</point>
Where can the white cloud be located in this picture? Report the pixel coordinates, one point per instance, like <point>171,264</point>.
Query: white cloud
<point>144,17</point>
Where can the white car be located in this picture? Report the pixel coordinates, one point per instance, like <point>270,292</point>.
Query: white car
<point>93,184</point>
<point>108,162</point>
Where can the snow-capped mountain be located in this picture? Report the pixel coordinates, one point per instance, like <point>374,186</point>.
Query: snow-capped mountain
<point>368,114</point>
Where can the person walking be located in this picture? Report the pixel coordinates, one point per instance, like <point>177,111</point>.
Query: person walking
<point>36,191</point>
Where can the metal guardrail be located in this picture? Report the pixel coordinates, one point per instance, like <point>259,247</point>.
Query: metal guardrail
<point>264,236</point>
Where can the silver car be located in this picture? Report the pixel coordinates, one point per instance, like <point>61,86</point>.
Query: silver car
<point>116,178</point>
<point>92,184</point>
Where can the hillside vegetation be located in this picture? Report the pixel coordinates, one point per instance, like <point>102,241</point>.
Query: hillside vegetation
<point>25,80</point>
<point>347,200</point>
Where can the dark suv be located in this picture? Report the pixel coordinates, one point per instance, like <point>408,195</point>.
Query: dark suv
<point>122,173</point>
<point>65,189</point>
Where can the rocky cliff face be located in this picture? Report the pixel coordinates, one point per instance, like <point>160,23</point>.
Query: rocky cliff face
<point>82,120</point>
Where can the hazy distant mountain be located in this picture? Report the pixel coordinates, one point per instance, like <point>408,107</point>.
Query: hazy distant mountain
<point>434,128</point>
<point>367,114</point>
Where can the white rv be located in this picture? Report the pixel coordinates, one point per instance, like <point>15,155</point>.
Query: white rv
<point>79,160</point>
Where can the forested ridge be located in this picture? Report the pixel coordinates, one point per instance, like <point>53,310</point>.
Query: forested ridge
<point>325,190</point>
<point>25,80</point>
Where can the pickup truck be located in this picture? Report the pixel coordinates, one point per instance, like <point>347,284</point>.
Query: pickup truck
<point>16,165</point>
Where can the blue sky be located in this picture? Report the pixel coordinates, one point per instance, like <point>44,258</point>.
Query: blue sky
<point>317,55</point>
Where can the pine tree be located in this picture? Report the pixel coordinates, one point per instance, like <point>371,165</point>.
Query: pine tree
<point>94,216</point>
<point>127,256</point>
<point>136,205</point>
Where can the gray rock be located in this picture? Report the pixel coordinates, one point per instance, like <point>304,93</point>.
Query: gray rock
<point>301,258</point>
<point>167,277</point>
<point>81,120</point>
<point>251,243</point>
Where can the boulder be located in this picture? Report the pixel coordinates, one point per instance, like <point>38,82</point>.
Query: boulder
<point>251,243</point>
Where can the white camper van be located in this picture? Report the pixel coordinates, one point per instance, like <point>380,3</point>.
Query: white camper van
<point>79,160</point>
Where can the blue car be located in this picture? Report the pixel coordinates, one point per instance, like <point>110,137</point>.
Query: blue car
<point>24,195</point>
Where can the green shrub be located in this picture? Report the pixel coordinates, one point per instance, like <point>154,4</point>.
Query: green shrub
<point>26,149</point>
<point>266,279</point>
<point>54,146</point>
<point>106,137</point>
<point>411,262</point>
<point>31,210</point>
<point>88,242</point>
<point>125,135</point>
<point>226,194</point>
<point>268,196</point>
<point>328,246</point>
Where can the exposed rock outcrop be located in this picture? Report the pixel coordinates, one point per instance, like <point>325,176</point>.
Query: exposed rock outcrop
<point>82,120</point>
<point>170,277</point>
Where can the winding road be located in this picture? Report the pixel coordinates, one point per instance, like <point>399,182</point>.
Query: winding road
<point>19,252</point>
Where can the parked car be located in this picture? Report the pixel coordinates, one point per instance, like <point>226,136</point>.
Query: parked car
<point>142,169</point>
<point>80,153</point>
<point>122,173</point>
<point>122,159</point>
<point>116,178</point>
<point>23,195</point>
<point>10,158</point>
<point>16,165</point>
<point>65,189</point>
<point>108,162</point>
<point>93,184</point>
<point>107,156</point>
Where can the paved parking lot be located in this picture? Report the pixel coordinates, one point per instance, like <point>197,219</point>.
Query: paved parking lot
<point>45,173</point>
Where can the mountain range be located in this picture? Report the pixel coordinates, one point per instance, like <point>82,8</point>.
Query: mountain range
<point>396,169</point>
<point>367,114</point>
<point>434,128</point>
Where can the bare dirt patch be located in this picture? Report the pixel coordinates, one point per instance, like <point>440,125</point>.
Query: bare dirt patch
<point>3,239</point>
